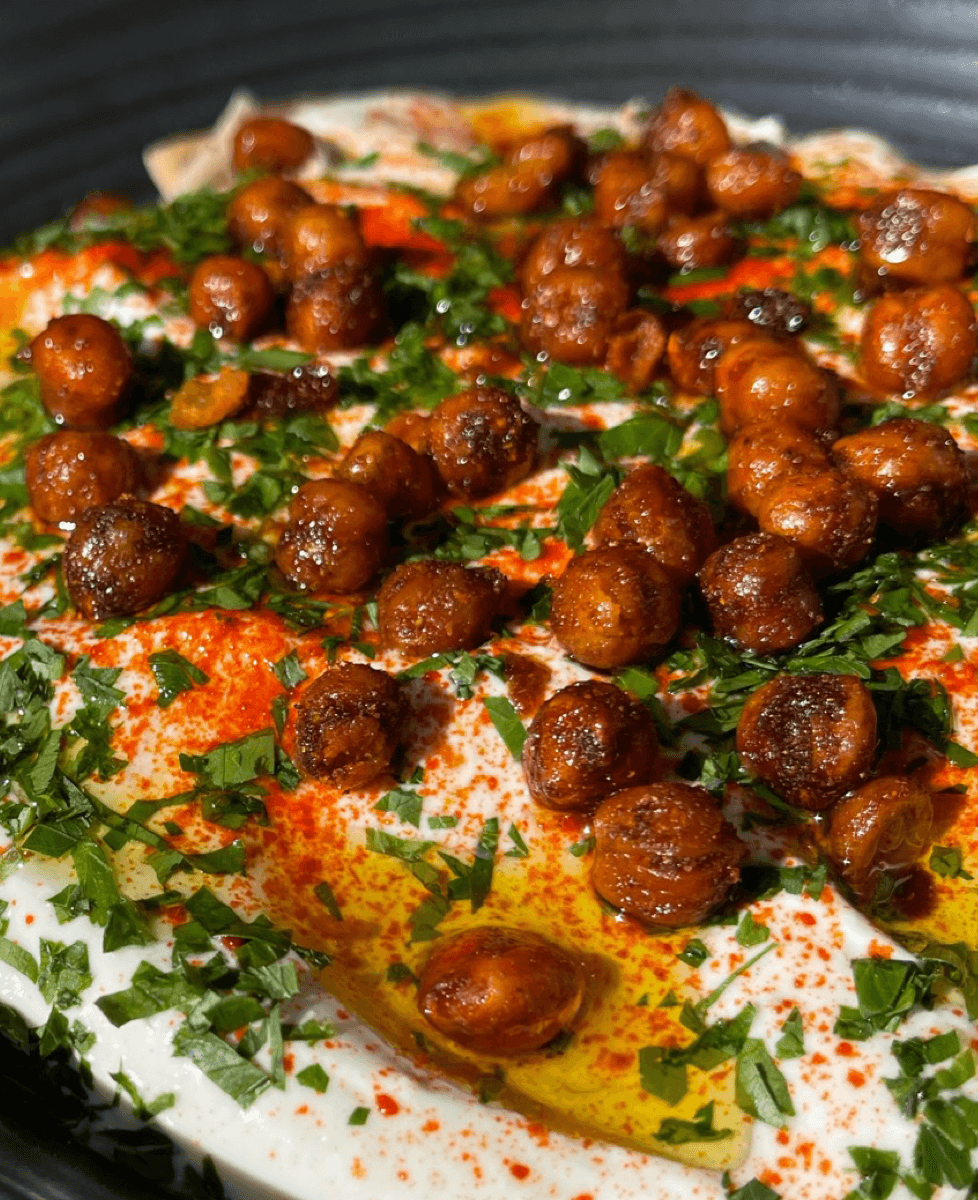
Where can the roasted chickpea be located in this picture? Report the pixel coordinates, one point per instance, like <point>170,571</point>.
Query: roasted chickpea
<point>271,144</point>
<point>771,309</point>
<point>636,346</point>
<point>763,454</point>
<point>526,181</point>
<point>557,151</point>
<point>319,237</point>
<point>258,213</point>
<point>230,296</point>
<point>665,854</point>
<point>626,193</point>
<point>571,242</point>
<point>83,368</point>
<point>695,350</point>
<point>882,828</point>
<point>122,557</point>
<point>400,478</point>
<point>481,441</point>
<point>917,236</point>
<point>651,508</point>
<point>915,469</point>
<point>767,378</point>
<point>759,594</point>
<point>66,472</point>
<point>688,125</point>
<point>348,722</point>
<point>587,741</point>
<point>811,738</point>
<point>688,243</point>
<point>336,538</point>
<point>571,314</point>
<point>431,607</point>
<point>501,991</point>
<point>919,342</point>
<point>614,606</point>
<point>206,400</point>
<point>309,387</point>
<point>337,310</point>
<point>752,183</point>
<point>527,681</point>
<point>96,209</point>
<point>828,516</point>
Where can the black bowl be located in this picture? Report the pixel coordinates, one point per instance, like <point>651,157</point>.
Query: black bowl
<point>85,84</point>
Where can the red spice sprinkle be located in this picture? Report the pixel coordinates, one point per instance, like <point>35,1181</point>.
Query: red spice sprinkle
<point>784,1137</point>
<point>846,1049</point>
<point>880,950</point>
<point>856,1078</point>
<point>818,1059</point>
<point>518,1171</point>
<point>430,1127</point>
<point>805,918</point>
<point>387,1104</point>
<point>29,919</point>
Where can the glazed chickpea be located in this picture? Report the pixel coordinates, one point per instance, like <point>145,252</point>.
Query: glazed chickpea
<point>348,722</point>
<point>810,738</point>
<point>919,342</point>
<point>636,346</point>
<point>915,469</point>
<point>481,441</point>
<point>752,183</point>
<point>627,194</point>
<point>664,854</point>
<point>337,310</point>
<point>500,991</point>
<point>759,594</point>
<point>571,242</point>
<point>771,310</point>
<point>651,508</point>
<point>533,169</point>
<point>766,378</point>
<point>829,517</point>
<point>881,829</point>
<point>688,125</point>
<point>319,237</point>
<point>309,387</point>
<point>527,681</point>
<point>587,741</point>
<point>67,472</point>
<point>271,144</point>
<point>614,606</point>
<point>122,557</point>
<point>230,296</point>
<point>402,480</point>
<point>571,314</point>
<point>431,607</point>
<point>336,538</point>
<point>763,454</point>
<point>688,243</point>
<point>557,151</point>
<point>206,400</point>
<point>258,213</point>
<point>694,351</point>
<point>83,368</point>
<point>917,236</point>
<point>96,209</point>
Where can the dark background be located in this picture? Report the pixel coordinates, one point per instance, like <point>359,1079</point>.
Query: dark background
<point>85,84</point>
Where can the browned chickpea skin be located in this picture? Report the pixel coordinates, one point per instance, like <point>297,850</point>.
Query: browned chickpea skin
<point>83,369</point>
<point>309,387</point>
<point>688,243</point>
<point>752,183</point>
<point>336,537</point>
<point>636,346</point>
<point>258,213</point>
<point>759,594</point>
<point>69,471</point>
<point>571,242</point>
<point>500,991</point>
<point>230,296</point>
<point>614,606</point>
<point>571,314</point>
<point>271,144</point>
<point>653,509</point>
<point>319,237</point>
<point>917,236</point>
<point>95,209</point>
<point>481,441</point>
<point>920,342</point>
<point>881,829</point>
<point>771,310</point>
<point>665,854</point>
<point>762,454</point>
<point>558,151</point>
<point>771,379</point>
<point>916,470</point>
<point>337,310</point>
<point>534,167</point>
<point>430,607</point>
<point>587,741</point>
<point>400,478</point>
<point>694,350</point>
<point>122,557</point>
<point>828,516</point>
<point>810,738</point>
<point>626,193</point>
<point>348,722</point>
<point>688,125</point>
